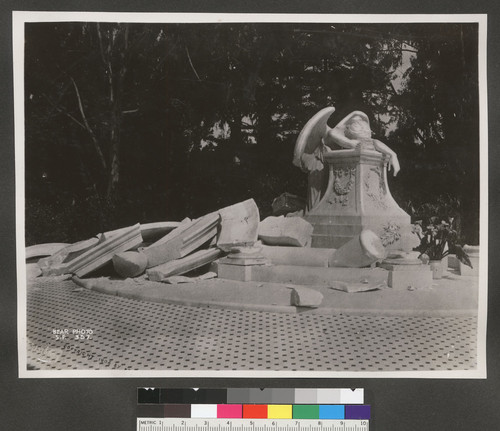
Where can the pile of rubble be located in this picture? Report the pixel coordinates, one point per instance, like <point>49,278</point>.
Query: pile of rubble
<point>169,248</point>
<point>237,244</point>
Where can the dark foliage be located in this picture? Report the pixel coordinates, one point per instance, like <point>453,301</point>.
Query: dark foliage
<point>131,123</point>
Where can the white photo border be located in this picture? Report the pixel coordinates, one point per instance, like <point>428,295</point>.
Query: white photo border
<point>20,18</point>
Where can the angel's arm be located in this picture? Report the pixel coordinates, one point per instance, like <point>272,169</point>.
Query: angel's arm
<point>393,158</point>
<point>337,136</point>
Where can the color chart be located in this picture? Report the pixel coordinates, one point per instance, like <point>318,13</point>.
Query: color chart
<point>252,409</point>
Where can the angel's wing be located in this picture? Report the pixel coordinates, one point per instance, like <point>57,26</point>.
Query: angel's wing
<point>311,134</point>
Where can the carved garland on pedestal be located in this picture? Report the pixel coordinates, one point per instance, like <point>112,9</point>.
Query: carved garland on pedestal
<point>342,184</point>
<point>378,197</point>
<point>391,233</point>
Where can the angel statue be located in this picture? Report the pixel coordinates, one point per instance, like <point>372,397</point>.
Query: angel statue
<point>317,138</point>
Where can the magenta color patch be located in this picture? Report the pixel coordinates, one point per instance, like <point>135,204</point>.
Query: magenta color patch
<point>229,411</point>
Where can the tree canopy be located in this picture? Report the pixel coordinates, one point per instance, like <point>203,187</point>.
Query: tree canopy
<point>129,122</point>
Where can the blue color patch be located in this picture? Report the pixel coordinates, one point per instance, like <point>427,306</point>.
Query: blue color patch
<point>336,411</point>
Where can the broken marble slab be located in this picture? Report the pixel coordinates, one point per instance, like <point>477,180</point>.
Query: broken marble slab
<point>291,231</point>
<point>239,225</point>
<point>32,271</point>
<point>69,252</point>
<point>42,250</point>
<point>287,203</point>
<point>182,241</point>
<point>183,224</point>
<point>361,251</point>
<point>235,225</point>
<point>99,255</point>
<point>150,231</point>
<point>183,265</point>
<point>130,263</point>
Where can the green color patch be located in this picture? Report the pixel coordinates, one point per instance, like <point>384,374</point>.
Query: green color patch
<point>304,411</point>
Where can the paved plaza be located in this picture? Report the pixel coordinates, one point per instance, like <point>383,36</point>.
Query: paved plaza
<point>128,334</point>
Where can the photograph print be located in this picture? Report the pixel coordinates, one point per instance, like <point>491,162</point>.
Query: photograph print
<point>251,195</point>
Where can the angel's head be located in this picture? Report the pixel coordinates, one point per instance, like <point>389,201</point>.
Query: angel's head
<point>357,128</point>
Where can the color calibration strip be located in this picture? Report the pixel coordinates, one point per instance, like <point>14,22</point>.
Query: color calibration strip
<point>319,404</point>
<point>256,411</point>
<point>250,396</point>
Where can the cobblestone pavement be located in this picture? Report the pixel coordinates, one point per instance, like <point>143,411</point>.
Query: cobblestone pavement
<point>109,332</point>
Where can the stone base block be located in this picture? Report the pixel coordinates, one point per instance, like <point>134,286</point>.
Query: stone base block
<point>467,270</point>
<point>300,275</point>
<point>233,272</point>
<point>453,262</point>
<point>394,231</point>
<point>303,256</point>
<point>413,276</point>
<point>462,269</point>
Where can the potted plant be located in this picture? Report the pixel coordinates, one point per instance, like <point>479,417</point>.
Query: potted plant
<point>437,241</point>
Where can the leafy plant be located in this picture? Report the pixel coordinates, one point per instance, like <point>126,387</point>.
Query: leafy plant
<point>439,239</point>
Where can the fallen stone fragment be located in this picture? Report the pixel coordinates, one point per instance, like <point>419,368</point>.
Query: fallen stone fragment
<point>41,250</point>
<point>69,252</point>
<point>293,231</point>
<point>32,271</point>
<point>239,225</point>
<point>182,241</point>
<point>361,251</point>
<point>287,203</point>
<point>182,224</point>
<point>150,231</point>
<point>130,263</point>
<point>305,297</point>
<point>183,265</point>
<point>99,255</point>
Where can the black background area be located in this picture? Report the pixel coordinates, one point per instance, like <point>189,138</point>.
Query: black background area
<point>99,404</point>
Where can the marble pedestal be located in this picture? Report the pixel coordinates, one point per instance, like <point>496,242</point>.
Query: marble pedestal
<point>357,197</point>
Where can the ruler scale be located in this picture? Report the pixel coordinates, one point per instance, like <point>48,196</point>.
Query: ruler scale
<point>190,424</point>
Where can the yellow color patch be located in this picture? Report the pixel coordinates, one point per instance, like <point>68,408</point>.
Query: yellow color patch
<point>279,411</point>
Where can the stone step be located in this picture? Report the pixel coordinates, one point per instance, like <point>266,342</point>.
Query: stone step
<point>337,229</point>
<point>304,256</point>
<point>300,275</point>
<point>329,241</point>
